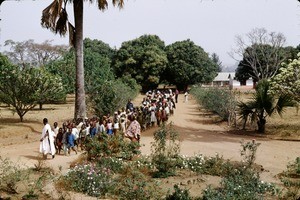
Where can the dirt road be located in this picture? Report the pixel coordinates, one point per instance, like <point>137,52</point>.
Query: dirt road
<point>20,141</point>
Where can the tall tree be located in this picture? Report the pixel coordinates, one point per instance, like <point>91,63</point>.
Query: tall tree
<point>144,59</point>
<point>188,64</point>
<point>262,53</point>
<point>215,58</point>
<point>55,18</point>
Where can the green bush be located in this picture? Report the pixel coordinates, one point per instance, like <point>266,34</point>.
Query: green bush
<point>242,181</point>
<point>179,194</point>
<point>104,145</point>
<point>165,151</point>
<point>218,100</point>
<point>240,184</point>
<point>132,184</point>
<point>89,179</point>
<point>291,180</point>
<point>113,95</point>
<point>200,164</point>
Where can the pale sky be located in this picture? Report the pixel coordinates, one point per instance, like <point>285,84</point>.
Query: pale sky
<point>211,24</point>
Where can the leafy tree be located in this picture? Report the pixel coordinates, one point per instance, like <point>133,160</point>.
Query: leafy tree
<point>188,64</point>
<point>29,53</point>
<point>50,88</point>
<point>263,104</point>
<point>262,53</point>
<point>112,95</point>
<point>65,68</point>
<point>24,88</point>
<point>287,81</point>
<point>144,59</point>
<point>215,58</point>
<point>97,65</point>
<point>55,18</point>
<point>99,47</point>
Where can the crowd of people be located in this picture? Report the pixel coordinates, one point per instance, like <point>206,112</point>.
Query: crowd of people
<point>129,121</point>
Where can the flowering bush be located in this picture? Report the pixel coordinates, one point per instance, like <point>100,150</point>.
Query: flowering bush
<point>89,179</point>
<point>241,184</point>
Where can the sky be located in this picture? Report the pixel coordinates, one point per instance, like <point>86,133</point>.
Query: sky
<point>211,24</point>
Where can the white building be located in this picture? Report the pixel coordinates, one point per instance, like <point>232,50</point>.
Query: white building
<point>227,79</point>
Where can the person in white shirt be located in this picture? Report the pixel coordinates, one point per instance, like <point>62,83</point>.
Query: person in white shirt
<point>44,141</point>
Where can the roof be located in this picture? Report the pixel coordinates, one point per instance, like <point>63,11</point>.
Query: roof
<point>224,76</point>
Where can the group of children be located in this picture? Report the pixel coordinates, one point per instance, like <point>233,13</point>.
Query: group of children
<point>155,109</point>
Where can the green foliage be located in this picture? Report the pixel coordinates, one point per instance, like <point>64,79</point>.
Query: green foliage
<point>65,68</point>
<point>50,88</point>
<point>287,81</point>
<point>179,194</point>
<point>89,179</point>
<point>248,152</point>
<point>215,165</point>
<point>263,104</point>
<point>242,182</point>
<point>23,88</point>
<point>103,145</point>
<point>291,180</point>
<point>188,64</point>
<point>10,174</point>
<point>165,151</point>
<point>132,184</point>
<point>218,100</point>
<point>112,95</point>
<point>144,59</point>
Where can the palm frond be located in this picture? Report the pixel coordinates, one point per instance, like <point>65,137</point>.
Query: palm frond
<point>245,109</point>
<point>61,24</point>
<point>50,15</point>
<point>102,4</point>
<point>119,3</point>
<point>284,101</point>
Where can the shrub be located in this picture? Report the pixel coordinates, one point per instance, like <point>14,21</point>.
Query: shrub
<point>104,145</point>
<point>218,100</point>
<point>200,164</point>
<point>165,151</point>
<point>291,180</point>
<point>242,181</point>
<point>113,95</point>
<point>89,179</point>
<point>179,194</point>
<point>132,184</point>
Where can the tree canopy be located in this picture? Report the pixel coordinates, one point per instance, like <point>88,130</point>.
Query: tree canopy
<point>287,81</point>
<point>188,64</point>
<point>143,59</point>
<point>262,54</point>
<point>24,88</point>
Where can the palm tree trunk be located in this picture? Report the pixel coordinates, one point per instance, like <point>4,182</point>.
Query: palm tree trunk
<point>80,106</point>
<point>261,123</point>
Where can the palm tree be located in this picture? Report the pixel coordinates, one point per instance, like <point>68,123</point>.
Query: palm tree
<point>55,18</point>
<point>262,105</point>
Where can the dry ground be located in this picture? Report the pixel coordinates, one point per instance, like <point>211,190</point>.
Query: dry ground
<point>199,131</point>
